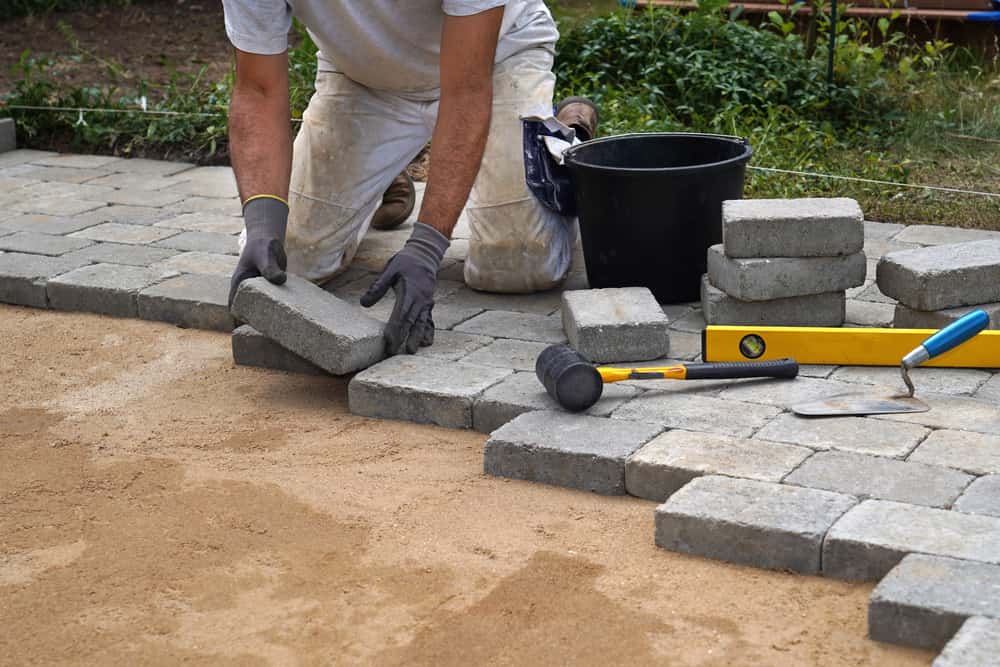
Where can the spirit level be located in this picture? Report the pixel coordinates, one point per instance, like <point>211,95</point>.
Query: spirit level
<point>840,346</point>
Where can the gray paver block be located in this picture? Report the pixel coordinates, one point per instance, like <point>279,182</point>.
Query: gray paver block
<point>951,381</point>
<point>229,206</point>
<point>982,497</point>
<point>56,206</point>
<point>576,451</point>
<point>940,277</point>
<point>869,313</point>
<point>505,353</point>
<point>225,244</point>
<point>116,232</point>
<point>522,392</point>
<point>201,262</point>
<point>616,324</point>
<point>908,318</point>
<point>190,301</point>
<point>762,524</point>
<point>336,336</point>
<point>806,227</point>
<point>422,389</point>
<point>696,412</point>
<point>23,277</point>
<point>46,224</point>
<point>129,215</point>
<point>953,412</point>
<point>977,644</point>
<point>8,135</point>
<point>924,600</point>
<point>215,223</point>
<point>882,230</point>
<point>252,348</point>
<point>882,478</point>
<point>122,253</point>
<point>941,235</point>
<point>783,277</point>
<point>519,326</point>
<point>64,174</point>
<point>453,346</point>
<point>818,310</point>
<point>673,459</point>
<point>41,244</point>
<point>874,536</point>
<point>853,434</point>
<point>129,197</point>
<point>783,393</point>
<point>108,289</point>
<point>208,182</point>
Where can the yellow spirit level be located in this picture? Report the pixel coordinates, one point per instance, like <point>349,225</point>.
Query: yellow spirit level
<point>840,346</point>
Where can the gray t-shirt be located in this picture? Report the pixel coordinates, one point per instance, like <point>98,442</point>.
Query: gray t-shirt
<point>390,45</point>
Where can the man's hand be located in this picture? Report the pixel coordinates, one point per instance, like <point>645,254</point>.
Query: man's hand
<point>412,274</point>
<point>264,253</point>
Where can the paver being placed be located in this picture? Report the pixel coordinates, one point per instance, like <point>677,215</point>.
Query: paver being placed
<point>520,326</point>
<point>939,277</point>
<point>853,434</point>
<point>505,353</point>
<point>23,277</point>
<point>190,301</point>
<point>45,224</point>
<point>783,277</point>
<point>924,600</point>
<point>252,348</point>
<point>41,244</point>
<point>422,389</point>
<point>122,253</point>
<point>805,227</point>
<point>116,232</point>
<point>673,459</point>
<point>201,262</point>
<point>577,451</point>
<point>336,336</point>
<point>616,324</point>
<point>874,536</point>
<point>695,412</point>
<point>976,644</point>
<point>981,497</point>
<point>745,521</point>
<point>882,478</point>
<point>818,310</point>
<point>108,289</point>
<point>908,318</point>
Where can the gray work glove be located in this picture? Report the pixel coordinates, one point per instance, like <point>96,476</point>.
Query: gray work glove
<point>264,252</point>
<point>412,274</point>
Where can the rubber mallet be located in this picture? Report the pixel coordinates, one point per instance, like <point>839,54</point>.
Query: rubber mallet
<point>576,384</point>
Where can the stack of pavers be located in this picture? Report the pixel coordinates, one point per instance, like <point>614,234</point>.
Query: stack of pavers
<point>784,262</point>
<point>937,285</point>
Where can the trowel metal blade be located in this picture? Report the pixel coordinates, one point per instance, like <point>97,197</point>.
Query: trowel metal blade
<point>859,404</point>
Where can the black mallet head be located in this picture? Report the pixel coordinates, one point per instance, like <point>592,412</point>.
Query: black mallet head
<point>568,378</point>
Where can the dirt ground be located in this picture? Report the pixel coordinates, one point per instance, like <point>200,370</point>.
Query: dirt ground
<point>158,504</point>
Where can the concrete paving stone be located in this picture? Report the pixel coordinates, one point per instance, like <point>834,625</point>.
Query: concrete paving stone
<point>982,497</point>
<point>9,183</point>
<point>869,313</point>
<point>933,235</point>
<point>851,434</point>
<point>539,303</point>
<point>816,370</point>
<point>452,346</point>
<point>65,174</point>
<point>951,381</point>
<point>13,170</point>
<point>876,250</point>
<point>116,232</point>
<point>52,190</point>
<point>975,453</point>
<point>783,393</point>
<point>156,199</point>
<point>819,310</point>
<point>673,459</point>
<point>522,392</point>
<point>252,348</point>
<point>855,292</point>
<point>908,318</point>
<point>678,311</point>
<point>695,412</point>
<point>56,206</point>
<point>872,293</point>
<point>745,521</point>
<point>107,289</point>
<point>519,326</point>
<point>8,135</point>
<point>976,644</point>
<point>201,262</point>
<point>576,451</point>
<point>448,316</point>
<point>685,346</point>
<point>189,301</point>
<point>23,277</point>
<point>506,353</point>
<point>925,599</point>
<point>208,182</point>
<point>874,536</point>
<point>230,206</point>
<point>422,389</point>
<point>136,182</point>
<point>953,412</point>
<point>783,277</point>
<point>121,253</point>
<point>335,335</point>
<point>153,168</point>
<point>990,390</point>
<point>802,227</point>
<point>616,324</point>
<point>882,230</point>
<point>41,244</point>
<point>881,478</point>
<point>76,161</point>
<point>131,215</point>
<point>22,156</point>
<point>934,278</point>
<point>225,244</point>
<point>216,223</point>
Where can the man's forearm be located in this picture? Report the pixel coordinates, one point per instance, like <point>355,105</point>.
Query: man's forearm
<point>260,141</point>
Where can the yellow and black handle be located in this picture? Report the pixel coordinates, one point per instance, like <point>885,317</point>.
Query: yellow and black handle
<point>777,368</point>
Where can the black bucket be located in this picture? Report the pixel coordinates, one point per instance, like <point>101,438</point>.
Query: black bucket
<point>650,205</point>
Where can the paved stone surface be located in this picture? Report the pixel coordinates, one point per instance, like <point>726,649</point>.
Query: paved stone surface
<point>116,232</point>
<point>951,381</point>
<point>977,644</point>
<point>939,277</point>
<point>122,253</point>
<point>520,326</point>
<point>201,262</point>
<point>336,336</point>
<point>23,277</point>
<point>63,174</point>
<point>783,277</point>
<point>73,160</point>
<point>57,206</point>
<point>252,348</point>
<point>129,215</point>
<point>214,223</point>
<point>8,135</point>
<point>816,310</point>
<point>452,345</point>
<point>228,206</point>
<point>208,182</point>
<point>541,303</point>
<point>940,235</point>
<point>908,318</point>
<point>874,536</point>
<point>44,224</point>
<point>853,434</point>
<point>783,393</point>
<point>695,412</point>
<point>990,390</point>
<point>225,244</point>
<point>869,314</point>
<point>804,227</point>
<point>41,244</point>
<point>684,318</point>
<point>108,289</point>
<point>422,389</point>
<point>881,478</point>
<point>953,412</point>
<point>577,451</point>
<point>882,230</point>
<point>617,324</point>
<point>190,301</point>
<point>981,497</point>
<point>925,599</point>
<point>517,354</point>
<point>871,292</point>
<point>674,458</point>
<point>685,346</point>
<point>750,522</point>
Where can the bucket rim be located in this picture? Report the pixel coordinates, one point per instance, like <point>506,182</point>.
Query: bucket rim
<point>569,157</point>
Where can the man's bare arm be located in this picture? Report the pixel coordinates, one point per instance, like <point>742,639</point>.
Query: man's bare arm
<point>468,47</point>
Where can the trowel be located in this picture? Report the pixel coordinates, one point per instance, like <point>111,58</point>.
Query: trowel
<point>940,342</point>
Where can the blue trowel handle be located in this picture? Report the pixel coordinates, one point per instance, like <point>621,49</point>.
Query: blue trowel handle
<point>956,333</point>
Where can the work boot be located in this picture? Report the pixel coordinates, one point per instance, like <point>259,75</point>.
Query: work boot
<point>397,203</point>
<point>580,114</point>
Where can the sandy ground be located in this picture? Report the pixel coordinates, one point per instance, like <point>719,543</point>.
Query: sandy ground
<point>158,505</point>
